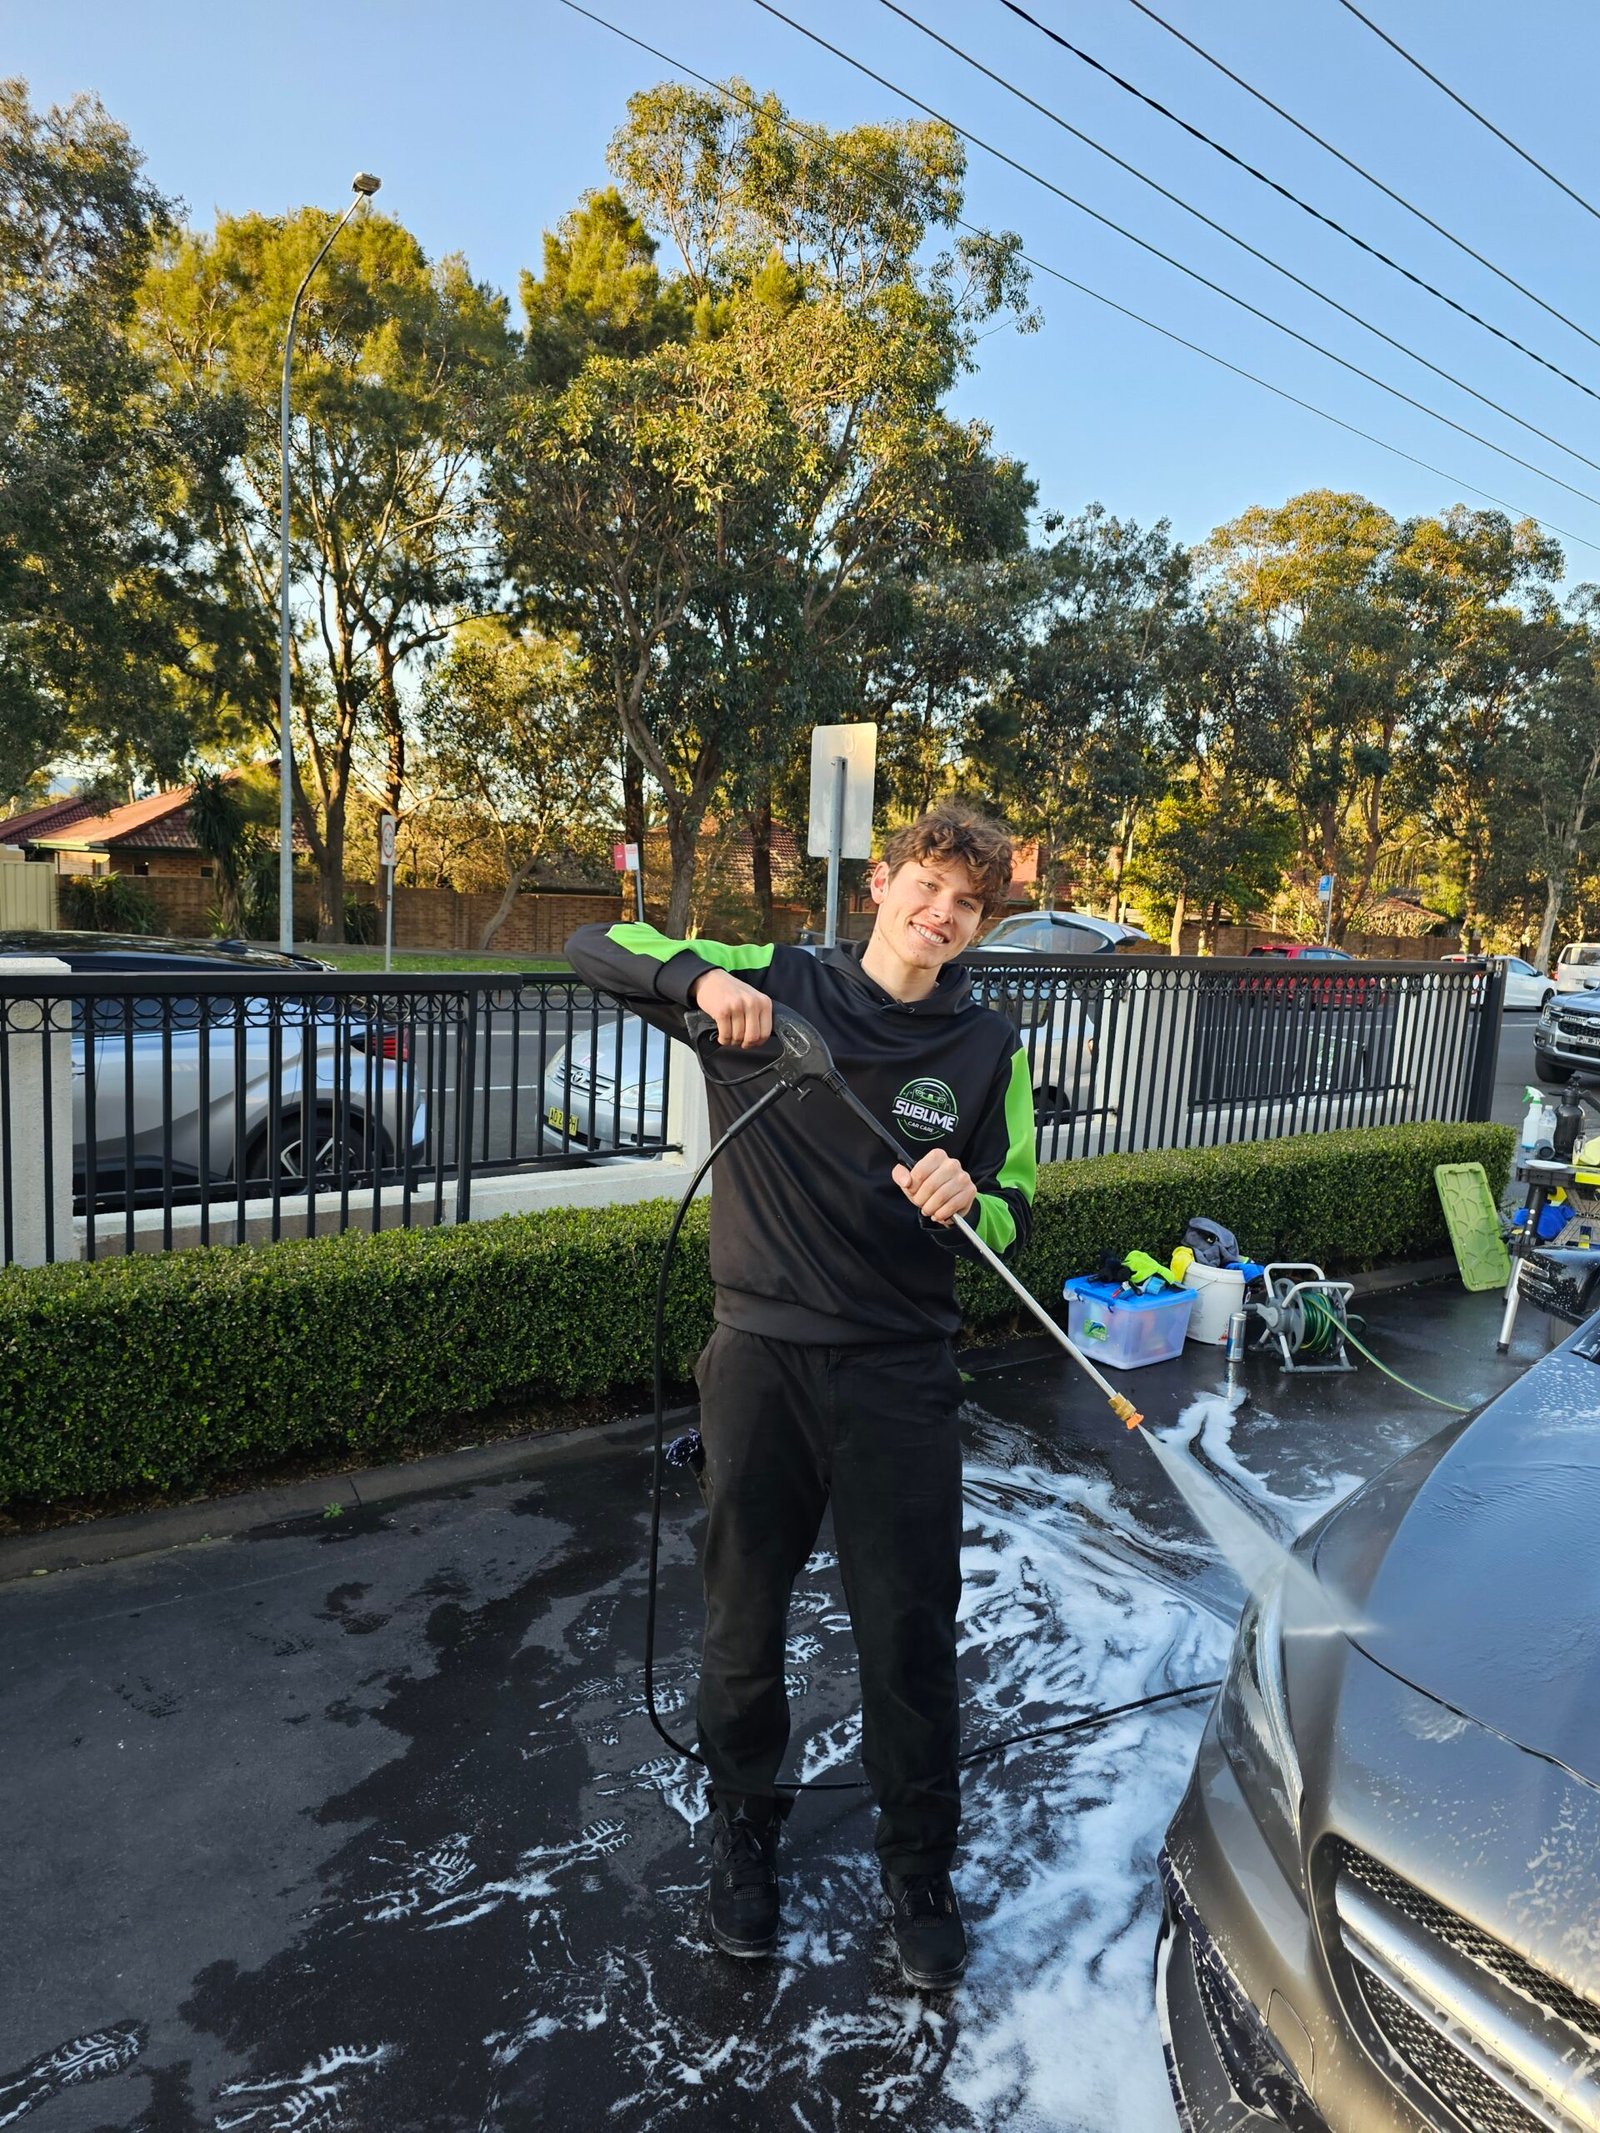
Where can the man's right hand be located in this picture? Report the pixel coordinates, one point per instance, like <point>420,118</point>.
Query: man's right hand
<point>743,1016</point>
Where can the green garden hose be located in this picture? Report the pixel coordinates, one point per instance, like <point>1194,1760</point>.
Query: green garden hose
<point>1324,1326</point>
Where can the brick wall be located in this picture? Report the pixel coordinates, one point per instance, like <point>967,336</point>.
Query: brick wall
<point>184,902</point>
<point>439,919</point>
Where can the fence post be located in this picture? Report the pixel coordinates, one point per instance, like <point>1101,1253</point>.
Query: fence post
<point>36,1132</point>
<point>1486,1043</point>
<point>466,1104</point>
<point>688,1120</point>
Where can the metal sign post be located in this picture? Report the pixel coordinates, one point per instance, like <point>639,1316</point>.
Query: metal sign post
<point>843,768</point>
<point>625,860</point>
<point>388,825</point>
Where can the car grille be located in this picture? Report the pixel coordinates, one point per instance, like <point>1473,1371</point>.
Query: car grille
<point>1580,1031</point>
<point>1502,2045</point>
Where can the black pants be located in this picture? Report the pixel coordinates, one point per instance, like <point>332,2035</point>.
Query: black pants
<point>875,1428</point>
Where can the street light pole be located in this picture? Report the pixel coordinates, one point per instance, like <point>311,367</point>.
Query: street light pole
<point>364,186</point>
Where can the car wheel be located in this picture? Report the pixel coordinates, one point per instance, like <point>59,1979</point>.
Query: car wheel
<point>1552,1077</point>
<point>333,1143</point>
<point>1050,1105</point>
<point>1546,997</point>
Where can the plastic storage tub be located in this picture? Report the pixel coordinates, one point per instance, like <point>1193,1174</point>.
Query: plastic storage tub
<point>1219,1292</point>
<point>1123,1329</point>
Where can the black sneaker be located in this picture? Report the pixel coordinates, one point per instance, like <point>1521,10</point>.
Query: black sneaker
<point>744,1876</point>
<point>928,1932</point>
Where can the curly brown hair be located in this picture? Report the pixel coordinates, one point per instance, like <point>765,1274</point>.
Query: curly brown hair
<point>955,831</point>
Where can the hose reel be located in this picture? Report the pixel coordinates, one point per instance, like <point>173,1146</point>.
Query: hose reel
<point>1306,1315</point>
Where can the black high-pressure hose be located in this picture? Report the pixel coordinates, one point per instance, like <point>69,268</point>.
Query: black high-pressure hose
<point>802,1059</point>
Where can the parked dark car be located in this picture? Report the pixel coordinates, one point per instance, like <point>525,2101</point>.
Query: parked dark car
<point>1382,1887</point>
<point>1567,1036</point>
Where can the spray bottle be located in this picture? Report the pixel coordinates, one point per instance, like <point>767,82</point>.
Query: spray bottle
<point>1539,1121</point>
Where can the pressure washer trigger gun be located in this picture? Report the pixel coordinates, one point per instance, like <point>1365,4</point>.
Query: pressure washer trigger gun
<point>796,1058</point>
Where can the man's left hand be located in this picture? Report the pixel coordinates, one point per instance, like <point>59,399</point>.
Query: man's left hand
<point>938,1188</point>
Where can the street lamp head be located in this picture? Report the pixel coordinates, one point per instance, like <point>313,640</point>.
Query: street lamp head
<point>365,182</point>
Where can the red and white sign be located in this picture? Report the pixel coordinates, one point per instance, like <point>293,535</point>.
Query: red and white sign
<point>625,858</point>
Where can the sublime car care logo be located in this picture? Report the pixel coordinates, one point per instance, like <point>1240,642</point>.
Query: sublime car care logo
<point>925,1110</point>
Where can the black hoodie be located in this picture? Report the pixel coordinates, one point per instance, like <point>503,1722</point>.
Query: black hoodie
<point>811,1239</point>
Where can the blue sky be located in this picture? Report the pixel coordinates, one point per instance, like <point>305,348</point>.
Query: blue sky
<point>487,121</point>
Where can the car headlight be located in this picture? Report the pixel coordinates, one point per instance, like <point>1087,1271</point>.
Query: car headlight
<point>1253,1724</point>
<point>649,1091</point>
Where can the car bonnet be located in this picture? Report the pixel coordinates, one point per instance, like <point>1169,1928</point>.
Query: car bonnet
<point>1470,1567</point>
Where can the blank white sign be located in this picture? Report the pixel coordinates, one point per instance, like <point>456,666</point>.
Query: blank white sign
<point>859,747</point>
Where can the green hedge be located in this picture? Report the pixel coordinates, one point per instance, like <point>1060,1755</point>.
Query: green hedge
<point>162,1371</point>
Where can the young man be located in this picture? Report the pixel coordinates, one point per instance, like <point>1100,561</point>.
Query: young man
<point>830,1374</point>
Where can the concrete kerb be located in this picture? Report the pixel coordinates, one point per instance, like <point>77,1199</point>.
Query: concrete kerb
<point>214,1518</point>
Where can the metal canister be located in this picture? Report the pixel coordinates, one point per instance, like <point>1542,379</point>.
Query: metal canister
<point>1238,1324</point>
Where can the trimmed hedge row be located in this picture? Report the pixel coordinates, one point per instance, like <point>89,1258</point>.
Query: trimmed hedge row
<point>162,1371</point>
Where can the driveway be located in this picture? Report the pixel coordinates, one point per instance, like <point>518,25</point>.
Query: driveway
<point>359,1823</point>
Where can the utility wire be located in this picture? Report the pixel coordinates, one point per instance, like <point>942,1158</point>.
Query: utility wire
<point>1310,407</point>
<point>1470,110</point>
<point>1350,163</point>
<point>977,141</point>
<point>1272,184</point>
<point>1221,229</point>
<point>1282,393</point>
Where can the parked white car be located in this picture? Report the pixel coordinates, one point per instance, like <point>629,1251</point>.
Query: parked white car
<point>1578,967</point>
<point>1525,986</point>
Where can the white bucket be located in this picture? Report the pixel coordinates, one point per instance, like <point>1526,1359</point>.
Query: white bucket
<point>1218,1293</point>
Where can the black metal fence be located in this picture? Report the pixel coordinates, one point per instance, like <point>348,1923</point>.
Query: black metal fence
<point>141,1111</point>
<point>253,1102</point>
<point>1132,1052</point>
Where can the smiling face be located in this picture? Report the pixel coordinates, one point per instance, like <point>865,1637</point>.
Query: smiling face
<point>928,911</point>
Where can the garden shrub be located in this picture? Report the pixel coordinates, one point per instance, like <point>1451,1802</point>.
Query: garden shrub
<point>163,1371</point>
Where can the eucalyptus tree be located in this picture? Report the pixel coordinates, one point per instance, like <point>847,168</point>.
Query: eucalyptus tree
<point>102,599</point>
<point>1078,738</point>
<point>512,748</point>
<point>712,513</point>
<point>401,365</point>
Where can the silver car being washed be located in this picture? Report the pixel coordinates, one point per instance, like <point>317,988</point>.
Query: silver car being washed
<point>1382,1888</point>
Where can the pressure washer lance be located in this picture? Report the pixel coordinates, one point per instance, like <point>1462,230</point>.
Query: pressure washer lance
<point>806,1057</point>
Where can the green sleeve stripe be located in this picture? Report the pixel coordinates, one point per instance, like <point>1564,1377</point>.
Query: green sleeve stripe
<point>1020,1170</point>
<point>996,1224</point>
<point>644,940</point>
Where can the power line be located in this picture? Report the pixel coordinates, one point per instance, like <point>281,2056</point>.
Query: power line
<point>748,103</point>
<point>1470,110</point>
<point>1330,222</point>
<point>1193,273</point>
<point>1221,229</point>
<point>1294,399</point>
<point>1350,163</point>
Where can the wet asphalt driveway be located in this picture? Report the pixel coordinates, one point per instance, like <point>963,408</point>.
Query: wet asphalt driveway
<point>359,1822</point>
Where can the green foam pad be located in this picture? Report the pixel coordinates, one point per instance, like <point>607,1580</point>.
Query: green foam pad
<point>1474,1225</point>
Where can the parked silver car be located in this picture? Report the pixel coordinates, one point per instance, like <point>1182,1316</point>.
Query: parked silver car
<point>168,1096</point>
<point>1058,1029</point>
<point>1382,1886</point>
